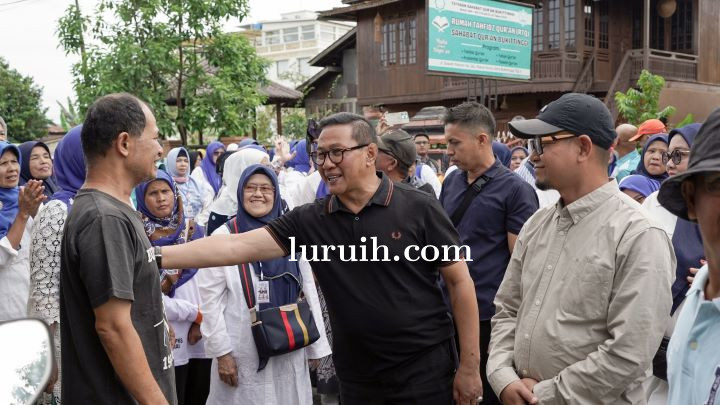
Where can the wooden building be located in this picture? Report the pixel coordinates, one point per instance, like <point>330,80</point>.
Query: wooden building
<point>592,46</point>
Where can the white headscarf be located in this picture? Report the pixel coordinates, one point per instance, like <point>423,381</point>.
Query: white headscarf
<point>235,165</point>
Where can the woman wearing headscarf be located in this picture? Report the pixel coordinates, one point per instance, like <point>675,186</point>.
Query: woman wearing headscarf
<point>162,209</point>
<point>502,152</point>
<point>687,244</point>
<point>177,163</point>
<point>651,165</point>
<point>18,208</point>
<point>638,187</point>
<point>207,178</point>
<point>226,205</point>
<point>37,165</point>
<point>517,155</point>
<point>46,239</point>
<point>296,170</point>
<point>235,378</point>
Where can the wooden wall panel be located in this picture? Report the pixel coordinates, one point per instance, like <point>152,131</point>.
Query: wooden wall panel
<point>708,37</point>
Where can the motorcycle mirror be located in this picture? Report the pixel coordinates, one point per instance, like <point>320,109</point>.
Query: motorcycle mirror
<point>27,358</point>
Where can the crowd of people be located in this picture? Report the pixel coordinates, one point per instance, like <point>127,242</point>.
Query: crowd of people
<point>589,272</point>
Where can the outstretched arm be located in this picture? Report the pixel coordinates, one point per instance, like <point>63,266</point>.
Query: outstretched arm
<point>222,250</point>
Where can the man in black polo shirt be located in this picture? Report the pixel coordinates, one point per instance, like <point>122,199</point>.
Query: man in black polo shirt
<point>393,339</point>
<point>493,216</point>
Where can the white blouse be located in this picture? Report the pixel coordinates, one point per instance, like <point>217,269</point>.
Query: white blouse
<point>226,329</point>
<point>15,276</point>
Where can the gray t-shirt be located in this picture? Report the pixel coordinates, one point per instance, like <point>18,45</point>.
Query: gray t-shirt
<point>106,253</point>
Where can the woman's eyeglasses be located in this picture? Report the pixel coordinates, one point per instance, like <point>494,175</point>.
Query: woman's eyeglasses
<point>676,156</point>
<point>264,189</point>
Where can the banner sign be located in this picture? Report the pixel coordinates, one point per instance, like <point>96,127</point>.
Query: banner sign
<point>480,38</point>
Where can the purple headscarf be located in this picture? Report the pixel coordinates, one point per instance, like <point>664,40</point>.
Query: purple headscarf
<point>639,184</point>
<point>25,175</point>
<point>169,230</point>
<point>502,152</point>
<point>8,196</point>
<point>641,169</point>
<point>301,161</point>
<point>282,271</point>
<point>69,166</point>
<point>208,167</point>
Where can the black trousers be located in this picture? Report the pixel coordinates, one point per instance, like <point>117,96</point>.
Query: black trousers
<point>424,380</point>
<point>192,382</point>
<point>489,397</point>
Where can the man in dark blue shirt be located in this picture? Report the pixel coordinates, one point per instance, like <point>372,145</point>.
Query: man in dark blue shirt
<point>488,205</point>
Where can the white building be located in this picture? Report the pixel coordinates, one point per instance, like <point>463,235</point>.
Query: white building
<point>289,43</point>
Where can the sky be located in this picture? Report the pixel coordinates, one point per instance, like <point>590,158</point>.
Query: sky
<point>29,44</point>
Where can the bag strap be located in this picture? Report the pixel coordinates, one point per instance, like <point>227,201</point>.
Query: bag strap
<point>246,280</point>
<point>247,286</point>
<point>470,194</point>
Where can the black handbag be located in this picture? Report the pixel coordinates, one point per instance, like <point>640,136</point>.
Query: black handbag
<point>278,330</point>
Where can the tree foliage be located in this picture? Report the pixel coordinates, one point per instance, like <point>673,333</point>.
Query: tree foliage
<point>173,55</point>
<point>21,105</point>
<point>641,104</point>
<point>69,116</point>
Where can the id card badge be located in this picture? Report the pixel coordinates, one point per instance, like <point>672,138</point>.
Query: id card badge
<point>262,292</point>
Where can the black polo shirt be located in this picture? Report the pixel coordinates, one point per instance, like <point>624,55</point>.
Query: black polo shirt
<point>382,313</point>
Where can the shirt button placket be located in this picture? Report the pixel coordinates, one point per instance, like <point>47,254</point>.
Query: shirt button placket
<point>357,231</point>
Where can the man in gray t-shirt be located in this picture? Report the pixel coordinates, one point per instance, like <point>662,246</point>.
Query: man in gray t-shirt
<point>115,338</point>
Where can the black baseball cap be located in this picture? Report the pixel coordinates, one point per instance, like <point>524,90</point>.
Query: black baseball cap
<point>580,114</point>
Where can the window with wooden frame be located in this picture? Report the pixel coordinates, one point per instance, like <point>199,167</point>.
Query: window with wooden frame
<point>538,32</point>
<point>589,20</point>
<point>570,24</point>
<point>604,14</point>
<point>399,41</point>
<point>681,37</point>
<point>553,19</point>
<point>637,25</point>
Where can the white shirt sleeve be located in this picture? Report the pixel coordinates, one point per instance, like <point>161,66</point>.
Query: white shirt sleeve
<point>180,310</point>
<point>321,347</point>
<point>304,191</point>
<point>428,176</point>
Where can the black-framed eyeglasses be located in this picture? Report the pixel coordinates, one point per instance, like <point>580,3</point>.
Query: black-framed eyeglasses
<point>676,156</point>
<point>536,144</point>
<point>336,155</point>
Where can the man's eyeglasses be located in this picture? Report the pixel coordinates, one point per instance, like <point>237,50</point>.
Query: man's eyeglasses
<point>421,143</point>
<point>264,189</point>
<point>336,155</point>
<point>536,144</point>
<point>676,156</point>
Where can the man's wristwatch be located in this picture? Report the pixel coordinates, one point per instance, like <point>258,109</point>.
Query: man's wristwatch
<point>158,256</point>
